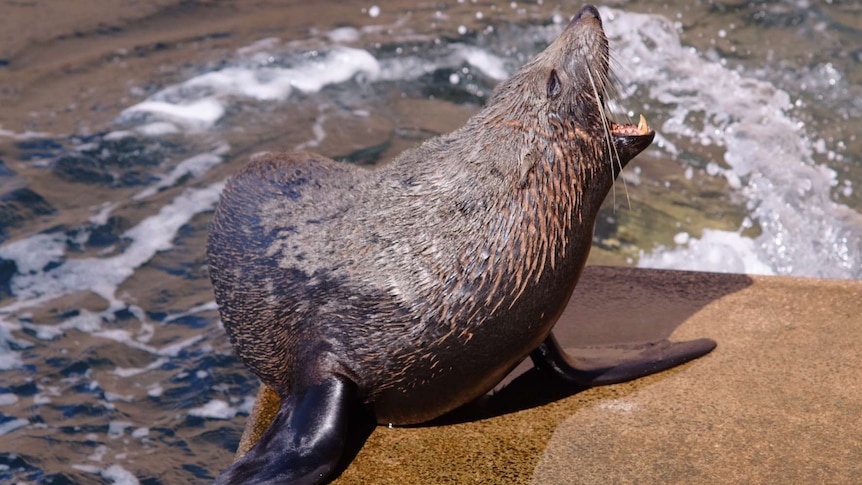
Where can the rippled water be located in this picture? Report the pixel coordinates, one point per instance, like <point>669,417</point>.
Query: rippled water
<point>113,367</point>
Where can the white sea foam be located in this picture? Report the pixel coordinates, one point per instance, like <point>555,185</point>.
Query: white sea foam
<point>120,476</point>
<point>174,349</point>
<point>195,166</point>
<point>114,397</point>
<point>33,253</point>
<point>33,285</point>
<point>768,159</point>
<point>118,428</point>
<point>214,89</point>
<point>275,84</point>
<point>157,128</point>
<point>259,46</point>
<point>26,135</point>
<point>409,68</point>
<point>215,409</point>
<point>133,371</point>
<point>717,251</point>
<point>9,359</point>
<point>117,474</point>
<point>203,307</point>
<point>114,135</point>
<point>318,133</point>
<point>201,113</point>
<point>492,65</point>
<point>8,399</point>
<point>7,427</point>
<point>343,35</point>
<point>36,282</point>
<point>99,452</point>
<point>202,101</point>
<point>405,68</point>
<point>104,213</point>
<point>246,405</point>
<point>155,390</point>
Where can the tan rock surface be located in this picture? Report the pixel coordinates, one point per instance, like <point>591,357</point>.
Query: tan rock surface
<point>779,400</point>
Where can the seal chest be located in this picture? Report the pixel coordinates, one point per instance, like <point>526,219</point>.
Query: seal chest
<point>416,288</point>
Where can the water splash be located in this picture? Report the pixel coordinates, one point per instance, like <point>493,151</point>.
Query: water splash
<point>768,159</point>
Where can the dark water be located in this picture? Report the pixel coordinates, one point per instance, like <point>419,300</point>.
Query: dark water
<point>113,366</point>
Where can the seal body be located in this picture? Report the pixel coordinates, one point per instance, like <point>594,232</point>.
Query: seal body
<point>424,289</point>
<point>416,287</point>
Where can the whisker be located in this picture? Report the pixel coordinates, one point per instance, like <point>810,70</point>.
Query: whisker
<point>612,149</point>
<point>613,88</point>
<point>616,84</point>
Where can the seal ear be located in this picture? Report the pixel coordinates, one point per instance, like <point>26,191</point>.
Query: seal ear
<point>526,163</point>
<point>554,85</point>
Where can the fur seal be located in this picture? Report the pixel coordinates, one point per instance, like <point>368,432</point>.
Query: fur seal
<point>415,288</point>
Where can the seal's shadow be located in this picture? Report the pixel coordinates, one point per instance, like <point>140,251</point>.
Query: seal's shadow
<point>610,306</point>
<point>530,389</point>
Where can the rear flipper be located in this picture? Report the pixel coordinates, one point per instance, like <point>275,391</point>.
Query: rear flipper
<point>305,441</point>
<point>596,366</point>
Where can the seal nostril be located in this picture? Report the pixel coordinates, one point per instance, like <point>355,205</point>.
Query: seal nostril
<point>586,11</point>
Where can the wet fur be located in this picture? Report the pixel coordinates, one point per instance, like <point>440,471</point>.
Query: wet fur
<point>425,281</point>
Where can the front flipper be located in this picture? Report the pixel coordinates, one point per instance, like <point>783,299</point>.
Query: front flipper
<point>596,366</point>
<point>305,440</point>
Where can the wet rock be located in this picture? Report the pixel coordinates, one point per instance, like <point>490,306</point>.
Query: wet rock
<point>82,168</point>
<point>5,171</point>
<point>112,161</point>
<point>367,156</point>
<point>38,149</point>
<point>8,268</point>
<point>437,85</point>
<point>107,234</point>
<point>19,206</point>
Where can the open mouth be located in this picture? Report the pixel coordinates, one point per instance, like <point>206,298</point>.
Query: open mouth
<point>629,140</point>
<point>641,129</point>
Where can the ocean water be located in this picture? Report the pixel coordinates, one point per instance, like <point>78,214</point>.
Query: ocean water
<point>113,365</point>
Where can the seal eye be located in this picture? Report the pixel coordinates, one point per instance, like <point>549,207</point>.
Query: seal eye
<point>554,86</point>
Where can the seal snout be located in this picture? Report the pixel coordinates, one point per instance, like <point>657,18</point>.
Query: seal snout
<point>584,13</point>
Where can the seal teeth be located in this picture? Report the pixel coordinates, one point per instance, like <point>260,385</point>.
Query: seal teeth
<point>643,127</point>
